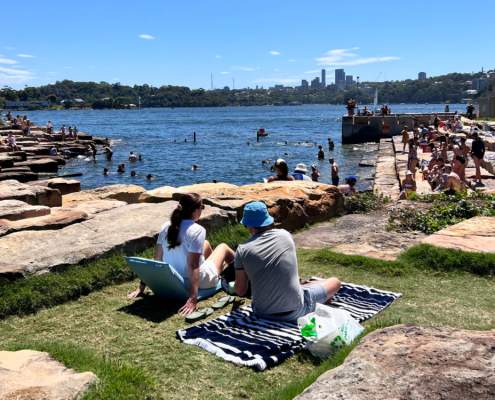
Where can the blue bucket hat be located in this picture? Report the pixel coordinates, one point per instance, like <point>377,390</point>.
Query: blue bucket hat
<point>256,215</point>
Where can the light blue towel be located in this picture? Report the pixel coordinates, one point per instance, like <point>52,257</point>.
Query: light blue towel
<point>164,280</point>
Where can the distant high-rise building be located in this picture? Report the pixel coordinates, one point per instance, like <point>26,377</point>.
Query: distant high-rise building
<point>340,78</point>
<point>315,83</point>
<point>349,80</point>
<point>304,84</point>
<point>421,76</point>
<point>323,78</point>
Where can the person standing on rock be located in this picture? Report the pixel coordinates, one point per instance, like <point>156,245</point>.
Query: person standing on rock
<point>334,172</point>
<point>182,244</point>
<point>405,138</point>
<point>477,153</point>
<point>268,262</point>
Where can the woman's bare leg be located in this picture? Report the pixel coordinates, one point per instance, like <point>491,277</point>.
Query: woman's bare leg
<point>222,254</point>
<point>207,249</point>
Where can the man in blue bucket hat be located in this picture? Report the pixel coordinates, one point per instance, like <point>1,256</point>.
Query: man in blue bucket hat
<point>268,261</point>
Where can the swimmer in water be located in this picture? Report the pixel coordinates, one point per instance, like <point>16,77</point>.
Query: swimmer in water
<point>105,171</point>
<point>133,173</point>
<point>121,168</point>
<point>150,177</point>
<point>194,167</point>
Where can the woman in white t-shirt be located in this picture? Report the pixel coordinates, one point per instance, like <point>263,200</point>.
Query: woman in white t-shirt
<point>182,244</point>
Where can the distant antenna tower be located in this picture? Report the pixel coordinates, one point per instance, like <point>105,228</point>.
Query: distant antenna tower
<point>233,83</point>
<point>211,80</point>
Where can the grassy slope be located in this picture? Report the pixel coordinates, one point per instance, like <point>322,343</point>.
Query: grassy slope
<point>141,334</point>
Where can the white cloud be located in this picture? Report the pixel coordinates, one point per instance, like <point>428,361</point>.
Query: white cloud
<point>146,36</point>
<point>274,52</point>
<point>225,72</point>
<point>14,75</point>
<point>22,55</point>
<point>218,56</point>
<point>349,57</point>
<point>5,60</point>
<point>291,60</point>
<point>279,81</point>
<point>243,68</point>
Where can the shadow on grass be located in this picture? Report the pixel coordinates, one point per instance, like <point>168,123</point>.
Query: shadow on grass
<point>152,308</point>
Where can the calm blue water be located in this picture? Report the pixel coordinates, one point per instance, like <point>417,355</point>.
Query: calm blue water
<point>222,151</point>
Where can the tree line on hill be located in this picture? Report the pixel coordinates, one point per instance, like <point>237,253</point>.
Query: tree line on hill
<point>441,89</point>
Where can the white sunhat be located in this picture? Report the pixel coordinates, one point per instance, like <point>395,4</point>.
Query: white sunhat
<point>301,168</point>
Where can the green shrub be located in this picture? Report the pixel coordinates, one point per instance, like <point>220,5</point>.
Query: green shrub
<point>444,211</point>
<point>364,202</point>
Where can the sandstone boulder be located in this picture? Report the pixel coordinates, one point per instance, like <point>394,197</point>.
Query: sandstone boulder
<point>92,207</point>
<point>475,234</point>
<point>35,195</point>
<point>58,218</point>
<point>21,176</point>
<point>158,195</point>
<point>128,193</point>
<point>14,210</point>
<point>292,204</point>
<point>65,186</point>
<point>30,375</point>
<point>129,228</point>
<point>412,362</point>
<point>40,165</point>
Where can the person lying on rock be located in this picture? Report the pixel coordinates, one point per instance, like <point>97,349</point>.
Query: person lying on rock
<point>182,244</point>
<point>267,260</point>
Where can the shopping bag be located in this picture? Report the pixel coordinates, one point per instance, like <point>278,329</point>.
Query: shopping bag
<point>327,329</point>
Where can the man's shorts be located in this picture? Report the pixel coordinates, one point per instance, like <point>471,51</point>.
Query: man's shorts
<point>208,275</point>
<point>312,294</point>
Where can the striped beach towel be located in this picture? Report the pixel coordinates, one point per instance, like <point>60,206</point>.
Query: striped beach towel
<point>242,338</point>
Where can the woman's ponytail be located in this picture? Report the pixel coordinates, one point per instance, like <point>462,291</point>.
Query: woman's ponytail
<point>188,203</point>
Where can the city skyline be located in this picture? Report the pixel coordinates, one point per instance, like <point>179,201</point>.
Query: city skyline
<point>161,43</point>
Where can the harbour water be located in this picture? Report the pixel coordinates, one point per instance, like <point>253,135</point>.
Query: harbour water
<point>226,148</point>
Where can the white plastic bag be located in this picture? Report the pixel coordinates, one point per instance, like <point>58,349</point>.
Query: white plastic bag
<point>333,328</point>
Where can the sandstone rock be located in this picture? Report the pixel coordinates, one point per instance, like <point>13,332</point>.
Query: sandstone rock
<point>14,210</point>
<point>129,228</point>
<point>128,193</point>
<point>37,150</point>
<point>92,207</point>
<point>158,195</point>
<point>474,234</point>
<point>33,375</point>
<point>21,176</point>
<point>35,195</point>
<point>6,162</point>
<point>40,165</point>
<point>58,218</point>
<point>65,186</point>
<point>411,362</point>
<point>358,234</point>
<point>210,189</point>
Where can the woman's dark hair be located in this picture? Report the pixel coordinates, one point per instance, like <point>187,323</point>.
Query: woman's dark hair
<point>282,168</point>
<point>188,203</point>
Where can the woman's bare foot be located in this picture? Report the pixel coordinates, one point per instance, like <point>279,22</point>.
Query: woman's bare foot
<point>139,292</point>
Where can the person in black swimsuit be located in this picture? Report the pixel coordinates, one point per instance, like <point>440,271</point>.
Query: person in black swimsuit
<point>478,152</point>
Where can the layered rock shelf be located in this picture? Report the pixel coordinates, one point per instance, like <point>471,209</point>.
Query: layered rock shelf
<point>32,155</point>
<point>52,230</point>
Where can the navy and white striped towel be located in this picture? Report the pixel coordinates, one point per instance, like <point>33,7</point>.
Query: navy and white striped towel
<point>242,338</point>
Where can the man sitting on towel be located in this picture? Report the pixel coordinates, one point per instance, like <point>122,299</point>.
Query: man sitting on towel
<point>268,261</point>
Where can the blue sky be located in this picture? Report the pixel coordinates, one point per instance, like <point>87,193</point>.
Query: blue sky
<point>253,42</point>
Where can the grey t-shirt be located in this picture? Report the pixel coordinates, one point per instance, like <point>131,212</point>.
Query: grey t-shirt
<point>269,260</point>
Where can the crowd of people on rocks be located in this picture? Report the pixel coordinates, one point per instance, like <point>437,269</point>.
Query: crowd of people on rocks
<point>301,173</point>
<point>445,171</point>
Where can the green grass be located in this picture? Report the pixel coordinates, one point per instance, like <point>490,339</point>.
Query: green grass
<point>25,296</point>
<point>115,335</point>
<point>116,380</point>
